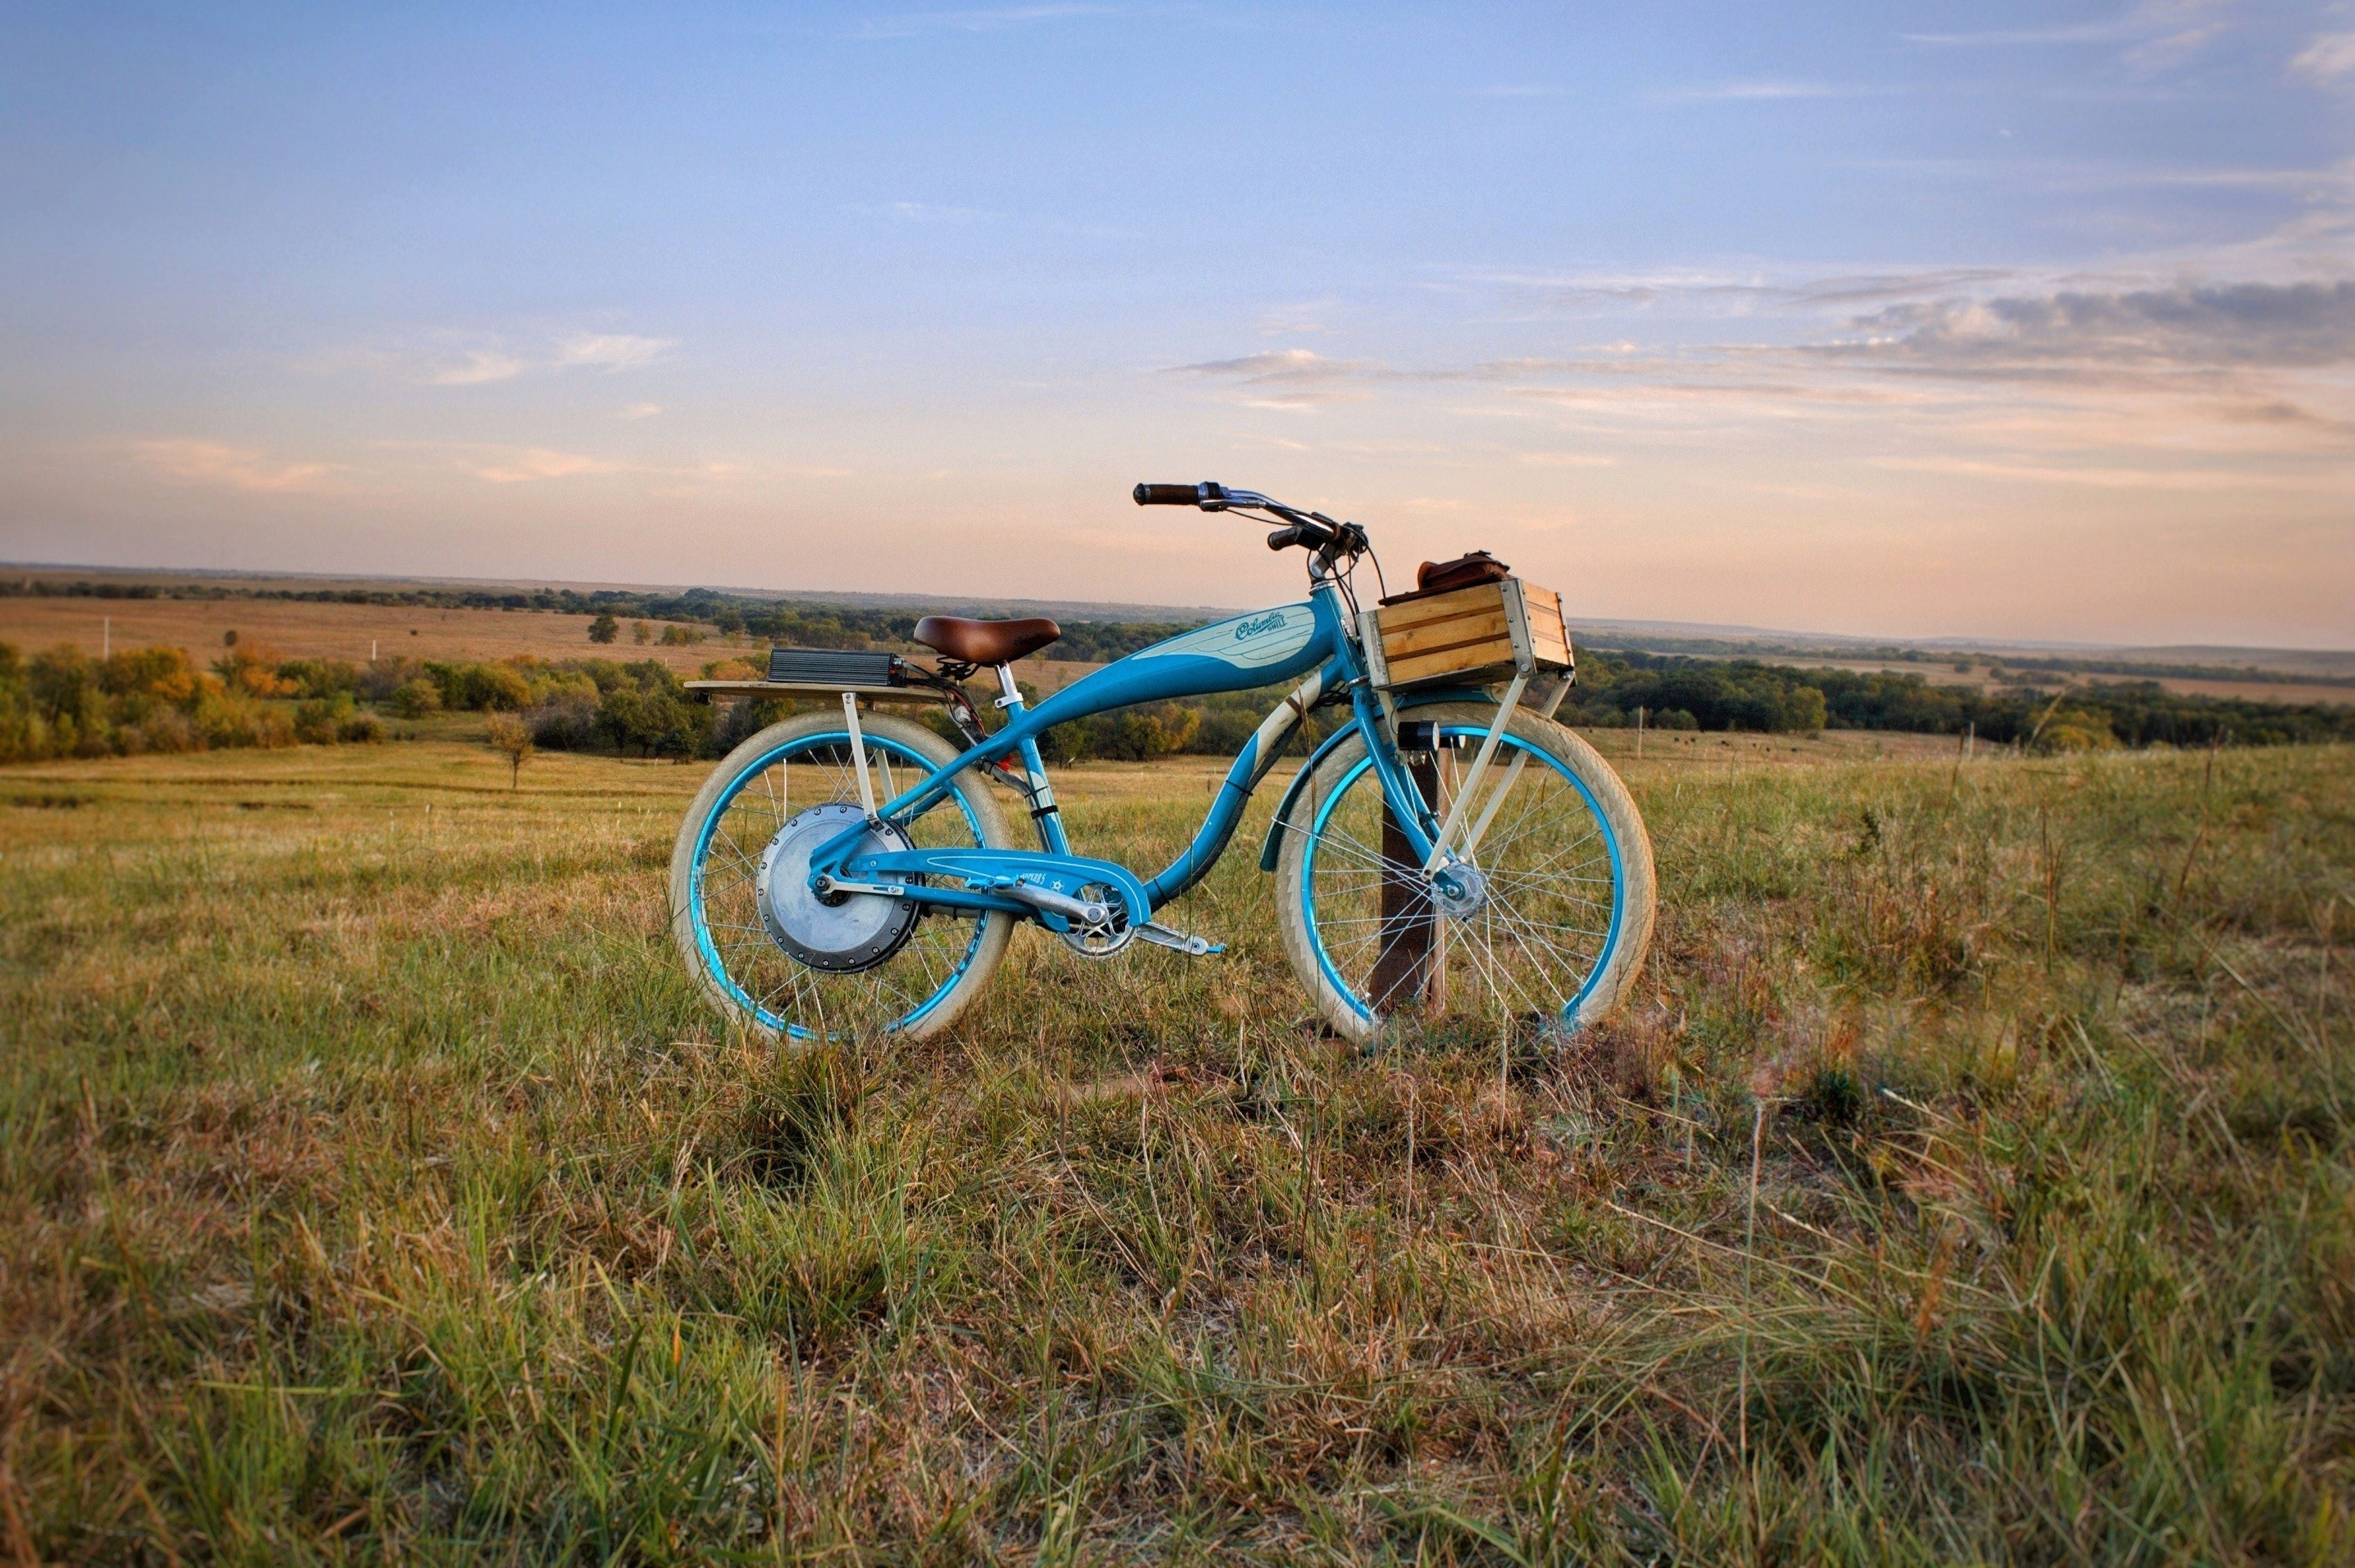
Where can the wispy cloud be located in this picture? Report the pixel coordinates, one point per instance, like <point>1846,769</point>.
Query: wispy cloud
<point>235,468</point>
<point>915,24</point>
<point>640,411</point>
<point>1290,377</point>
<point>583,350</point>
<point>2171,477</point>
<point>927,212</point>
<point>521,465</point>
<point>481,366</point>
<point>611,350</point>
<point>2160,32</point>
<point>2329,59</point>
<point>1768,93</point>
<point>2221,326</point>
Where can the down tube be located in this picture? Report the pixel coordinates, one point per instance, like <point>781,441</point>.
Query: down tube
<point>1252,764</point>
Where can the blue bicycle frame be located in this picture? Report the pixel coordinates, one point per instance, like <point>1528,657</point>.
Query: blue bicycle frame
<point>1312,638</point>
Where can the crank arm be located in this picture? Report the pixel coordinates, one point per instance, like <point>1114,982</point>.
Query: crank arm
<point>1192,946</point>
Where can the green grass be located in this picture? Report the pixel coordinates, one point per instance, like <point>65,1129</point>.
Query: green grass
<point>1971,1181</point>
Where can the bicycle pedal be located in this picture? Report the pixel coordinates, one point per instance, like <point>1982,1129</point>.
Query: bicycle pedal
<point>1192,946</point>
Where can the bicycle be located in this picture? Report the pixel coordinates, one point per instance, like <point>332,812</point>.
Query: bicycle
<point>848,871</point>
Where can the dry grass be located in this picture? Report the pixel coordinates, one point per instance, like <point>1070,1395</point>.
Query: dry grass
<point>312,631</point>
<point>1970,1183</point>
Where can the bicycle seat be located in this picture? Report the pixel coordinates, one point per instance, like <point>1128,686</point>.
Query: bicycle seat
<point>985,641</point>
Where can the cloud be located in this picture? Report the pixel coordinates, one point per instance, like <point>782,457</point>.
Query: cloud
<point>1863,288</point>
<point>1592,290</point>
<point>927,212</point>
<point>1768,93</point>
<point>915,24</point>
<point>2100,478</point>
<point>611,350</point>
<point>2329,59</point>
<point>2169,26</point>
<point>522,465</point>
<point>2225,327</point>
<point>482,365</point>
<point>1724,293</point>
<point>1291,377</point>
<point>211,463</point>
<point>640,411</point>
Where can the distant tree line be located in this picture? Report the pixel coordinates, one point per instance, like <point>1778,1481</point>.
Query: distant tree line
<point>1739,694</point>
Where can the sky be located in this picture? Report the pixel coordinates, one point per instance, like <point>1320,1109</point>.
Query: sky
<point>1900,318</point>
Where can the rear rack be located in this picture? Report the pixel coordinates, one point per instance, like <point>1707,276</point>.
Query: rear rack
<point>831,672</point>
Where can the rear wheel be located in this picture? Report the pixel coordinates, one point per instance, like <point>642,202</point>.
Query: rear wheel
<point>1554,925</point>
<point>789,964</point>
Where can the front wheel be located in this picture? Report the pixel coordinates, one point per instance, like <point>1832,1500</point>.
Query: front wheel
<point>1548,931</point>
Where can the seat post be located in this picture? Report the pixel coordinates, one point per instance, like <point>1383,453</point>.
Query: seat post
<point>1012,693</point>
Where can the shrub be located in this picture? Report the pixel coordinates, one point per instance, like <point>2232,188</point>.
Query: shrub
<point>251,669</point>
<point>604,628</point>
<point>569,723</point>
<point>320,678</point>
<point>230,718</point>
<point>324,720</point>
<point>417,697</point>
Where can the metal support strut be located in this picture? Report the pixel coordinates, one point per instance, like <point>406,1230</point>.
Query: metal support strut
<point>859,753</point>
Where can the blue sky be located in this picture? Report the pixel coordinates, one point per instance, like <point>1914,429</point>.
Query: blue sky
<point>2012,320</point>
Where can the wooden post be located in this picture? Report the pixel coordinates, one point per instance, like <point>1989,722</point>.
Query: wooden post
<point>1402,961</point>
<point>1639,730</point>
<point>1970,738</point>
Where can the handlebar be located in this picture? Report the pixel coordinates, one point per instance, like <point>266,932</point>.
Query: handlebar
<point>1309,530</point>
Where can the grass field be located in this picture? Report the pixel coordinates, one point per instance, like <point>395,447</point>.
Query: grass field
<point>1970,1181</point>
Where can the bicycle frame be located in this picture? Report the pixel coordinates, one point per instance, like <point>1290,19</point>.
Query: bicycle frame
<point>1314,638</point>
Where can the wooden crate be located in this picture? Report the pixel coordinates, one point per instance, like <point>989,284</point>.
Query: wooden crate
<point>1470,637</point>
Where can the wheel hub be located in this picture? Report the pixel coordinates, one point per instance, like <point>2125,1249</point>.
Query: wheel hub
<point>1458,890</point>
<point>836,931</point>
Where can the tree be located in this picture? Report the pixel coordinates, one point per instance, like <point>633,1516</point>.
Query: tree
<point>604,628</point>
<point>511,738</point>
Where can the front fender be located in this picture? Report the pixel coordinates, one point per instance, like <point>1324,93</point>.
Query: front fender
<point>1403,701</point>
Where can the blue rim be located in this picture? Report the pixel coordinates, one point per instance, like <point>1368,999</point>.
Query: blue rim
<point>1357,769</point>
<point>711,962</point>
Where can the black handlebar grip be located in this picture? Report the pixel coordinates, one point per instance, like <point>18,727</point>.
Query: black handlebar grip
<point>1169,494</point>
<point>1284,538</point>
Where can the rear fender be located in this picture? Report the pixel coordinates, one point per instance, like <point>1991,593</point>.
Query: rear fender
<point>1300,780</point>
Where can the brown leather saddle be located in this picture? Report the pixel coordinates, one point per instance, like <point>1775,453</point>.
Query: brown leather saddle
<point>985,641</point>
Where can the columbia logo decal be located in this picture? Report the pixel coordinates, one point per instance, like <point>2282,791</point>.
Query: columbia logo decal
<point>1270,622</point>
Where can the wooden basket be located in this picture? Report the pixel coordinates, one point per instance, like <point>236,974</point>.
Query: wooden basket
<point>1469,637</point>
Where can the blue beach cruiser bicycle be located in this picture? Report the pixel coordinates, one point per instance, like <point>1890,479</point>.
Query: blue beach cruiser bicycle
<point>1447,850</point>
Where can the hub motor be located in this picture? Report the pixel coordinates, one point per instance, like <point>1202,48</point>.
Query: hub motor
<point>839,932</point>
